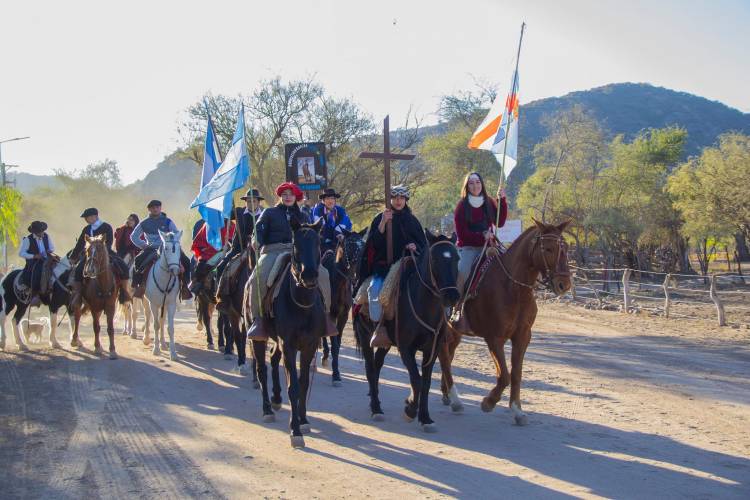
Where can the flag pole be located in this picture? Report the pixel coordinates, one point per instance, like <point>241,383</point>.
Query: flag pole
<point>507,123</point>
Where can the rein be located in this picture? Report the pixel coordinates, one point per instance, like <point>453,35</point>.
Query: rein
<point>94,267</point>
<point>296,280</point>
<point>547,275</point>
<point>171,281</point>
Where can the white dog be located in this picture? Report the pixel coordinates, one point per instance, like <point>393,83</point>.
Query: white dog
<point>33,331</point>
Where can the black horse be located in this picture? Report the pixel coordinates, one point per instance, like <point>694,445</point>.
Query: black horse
<point>342,268</point>
<point>427,288</point>
<point>57,298</point>
<point>298,325</point>
<point>233,320</point>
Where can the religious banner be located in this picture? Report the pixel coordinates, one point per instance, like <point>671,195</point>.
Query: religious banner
<point>306,165</point>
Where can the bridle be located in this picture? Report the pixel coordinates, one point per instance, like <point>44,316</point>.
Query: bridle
<point>547,274</point>
<point>296,276</point>
<point>433,288</point>
<point>166,266</point>
<point>348,260</point>
<point>94,266</point>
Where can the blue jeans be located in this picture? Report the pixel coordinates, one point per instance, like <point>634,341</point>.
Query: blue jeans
<point>373,297</point>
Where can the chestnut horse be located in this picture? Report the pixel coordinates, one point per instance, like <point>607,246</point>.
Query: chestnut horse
<point>505,309</point>
<point>99,292</point>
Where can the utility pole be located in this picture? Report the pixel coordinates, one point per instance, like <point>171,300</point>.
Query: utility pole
<point>4,182</point>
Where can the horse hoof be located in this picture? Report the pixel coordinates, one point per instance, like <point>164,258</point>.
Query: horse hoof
<point>457,407</point>
<point>98,351</point>
<point>276,406</point>
<point>112,355</point>
<point>487,405</point>
<point>446,400</point>
<point>267,419</point>
<point>378,417</point>
<point>164,346</point>
<point>55,345</point>
<point>74,343</point>
<point>2,345</point>
<point>429,428</point>
<point>337,383</point>
<point>173,356</point>
<point>324,362</point>
<point>210,347</point>
<point>408,418</point>
<point>133,335</point>
<point>146,340</point>
<point>305,428</point>
<point>23,348</point>
<point>228,357</point>
<point>256,384</point>
<point>156,352</point>
<point>521,419</point>
<point>298,442</point>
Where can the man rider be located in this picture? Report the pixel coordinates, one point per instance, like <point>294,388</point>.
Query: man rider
<point>35,249</point>
<point>335,219</point>
<point>149,228</point>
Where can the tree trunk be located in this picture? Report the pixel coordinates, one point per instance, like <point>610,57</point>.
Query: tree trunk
<point>742,249</point>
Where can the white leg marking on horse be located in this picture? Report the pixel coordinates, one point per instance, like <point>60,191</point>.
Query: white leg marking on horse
<point>518,414</point>
<point>17,337</point>
<point>53,331</point>
<point>456,403</point>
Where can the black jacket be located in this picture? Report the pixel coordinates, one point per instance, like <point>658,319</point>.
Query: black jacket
<point>406,229</point>
<point>273,224</point>
<point>244,232</point>
<point>104,229</point>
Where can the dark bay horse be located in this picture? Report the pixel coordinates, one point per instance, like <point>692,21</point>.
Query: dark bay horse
<point>99,292</point>
<point>232,313</point>
<point>427,288</point>
<point>297,326</point>
<point>342,268</point>
<point>505,309</point>
<point>205,304</point>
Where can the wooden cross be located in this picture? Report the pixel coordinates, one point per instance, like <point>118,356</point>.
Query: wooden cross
<point>387,156</point>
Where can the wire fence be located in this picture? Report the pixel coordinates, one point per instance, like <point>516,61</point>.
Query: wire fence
<point>724,298</point>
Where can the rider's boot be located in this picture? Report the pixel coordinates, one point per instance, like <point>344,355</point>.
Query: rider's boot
<point>257,331</point>
<point>331,330</point>
<point>380,337</point>
<point>184,291</point>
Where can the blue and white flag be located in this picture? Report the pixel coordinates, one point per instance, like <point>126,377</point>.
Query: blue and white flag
<point>231,175</point>
<point>212,211</point>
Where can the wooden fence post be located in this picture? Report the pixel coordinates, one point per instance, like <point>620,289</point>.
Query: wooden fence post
<point>719,306</point>
<point>626,289</point>
<point>573,286</point>
<point>667,279</point>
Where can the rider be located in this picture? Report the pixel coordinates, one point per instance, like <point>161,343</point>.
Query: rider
<point>35,248</point>
<point>246,219</point>
<point>273,236</point>
<point>204,252</point>
<point>407,235</point>
<point>149,228</point>
<point>123,245</point>
<point>335,219</point>
<point>96,227</point>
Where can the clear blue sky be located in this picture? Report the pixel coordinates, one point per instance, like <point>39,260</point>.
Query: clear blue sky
<point>96,79</point>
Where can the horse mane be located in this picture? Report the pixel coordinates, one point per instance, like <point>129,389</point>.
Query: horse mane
<point>522,237</point>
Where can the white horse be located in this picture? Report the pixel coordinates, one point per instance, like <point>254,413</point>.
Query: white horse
<point>129,310</point>
<point>162,287</point>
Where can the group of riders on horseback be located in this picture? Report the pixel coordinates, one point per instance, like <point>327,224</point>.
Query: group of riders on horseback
<point>266,234</point>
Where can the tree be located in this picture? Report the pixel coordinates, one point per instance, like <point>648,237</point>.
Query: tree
<point>10,208</point>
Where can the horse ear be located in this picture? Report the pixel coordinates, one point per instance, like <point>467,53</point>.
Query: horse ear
<point>363,232</point>
<point>564,224</point>
<point>430,237</point>
<point>540,225</point>
<point>161,234</point>
<point>318,224</point>
<point>346,232</point>
<point>454,237</point>
<point>178,235</point>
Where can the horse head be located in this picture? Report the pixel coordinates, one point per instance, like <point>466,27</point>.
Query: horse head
<point>306,252</point>
<point>170,251</point>
<point>442,266</point>
<point>350,250</point>
<point>97,257</point>
<point>550,256</point>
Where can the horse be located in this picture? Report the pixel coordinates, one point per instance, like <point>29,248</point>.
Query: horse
<point>205,303</point>
<point>504,308</point>
<point>99,292</point>
<point>232,312</point>
<point>342,268</point>
<point>57,298</point>
<point>162,288</point>
<point>129,309</point>
<point>427,287</point>
<point>298,325</point>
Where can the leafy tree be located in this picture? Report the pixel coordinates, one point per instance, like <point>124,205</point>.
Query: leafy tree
<point>10,207</point>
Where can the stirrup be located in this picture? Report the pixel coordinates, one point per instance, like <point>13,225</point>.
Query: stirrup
<point>257,332</point>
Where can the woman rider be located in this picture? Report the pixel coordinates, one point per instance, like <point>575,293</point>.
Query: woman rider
<point>407,235</point>
<point>273,236</point>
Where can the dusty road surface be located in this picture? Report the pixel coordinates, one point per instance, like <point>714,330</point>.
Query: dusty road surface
<point>618,407</point>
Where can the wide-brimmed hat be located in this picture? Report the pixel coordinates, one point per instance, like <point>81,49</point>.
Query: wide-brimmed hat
<point>153,203</point>
<point>400,190</point>
<point>252,193</point>
<point>329,192</point>
<point>89,212</point>
<point>290,185</point>
<point>37,227</point>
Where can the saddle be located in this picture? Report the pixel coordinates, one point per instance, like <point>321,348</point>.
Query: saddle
<point>48,269</point>
<point>479,269</point>
<point>387,296</point>
<point>280,267</point>
<point>230,276</point>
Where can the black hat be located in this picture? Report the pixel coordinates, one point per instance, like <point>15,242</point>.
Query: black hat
<point>90,211</point>
<point>153,203</point>
<point>329,192</point>
<point>37,227</point>
<point>252,193</point>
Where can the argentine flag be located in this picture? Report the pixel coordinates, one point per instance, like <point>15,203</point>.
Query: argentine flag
<point>231,175</point>
<point>212,211</point>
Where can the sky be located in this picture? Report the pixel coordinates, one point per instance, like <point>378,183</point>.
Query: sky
<point>90,80</point>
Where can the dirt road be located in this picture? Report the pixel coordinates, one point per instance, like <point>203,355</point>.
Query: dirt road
<point>618,407</point>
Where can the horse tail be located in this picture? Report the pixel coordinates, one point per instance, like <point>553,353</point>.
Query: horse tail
<point>356,326</point>
<point>122,297</point>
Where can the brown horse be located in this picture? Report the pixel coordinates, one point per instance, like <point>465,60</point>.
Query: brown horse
<point>99,292</point>
<point>505,309</point>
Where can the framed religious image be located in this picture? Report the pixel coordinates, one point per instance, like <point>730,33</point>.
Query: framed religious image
<point>306,165</point>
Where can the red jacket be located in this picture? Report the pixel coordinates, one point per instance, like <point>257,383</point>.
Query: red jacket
<point>123,245</point>
<point>202,249</point>
<point>470,233</point>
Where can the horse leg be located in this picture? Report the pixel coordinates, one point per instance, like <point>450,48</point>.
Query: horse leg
<point>155,313</point>
<point>17,317</point>
<point>326,352</point>
<point>428,425</point>
<point>408,357</point>
<point>519,343</point>
<point>146,306</point>
<point>53,343</point>
<point>2,330</point>
<point>225,331</point>
<point>368,354</point>
<point>171,308</point>
<point>259,354</point>
<point>74,341</point>
<point>335,349</point>
<point>293,392</point>
<point>240,342</point>
<point>206,320</point>
<point>97,328</point>
<point>305,359</point>
<point>276,378</point>
<point>447,386</point>
<point>111,329</point>
<point>496,347</point>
